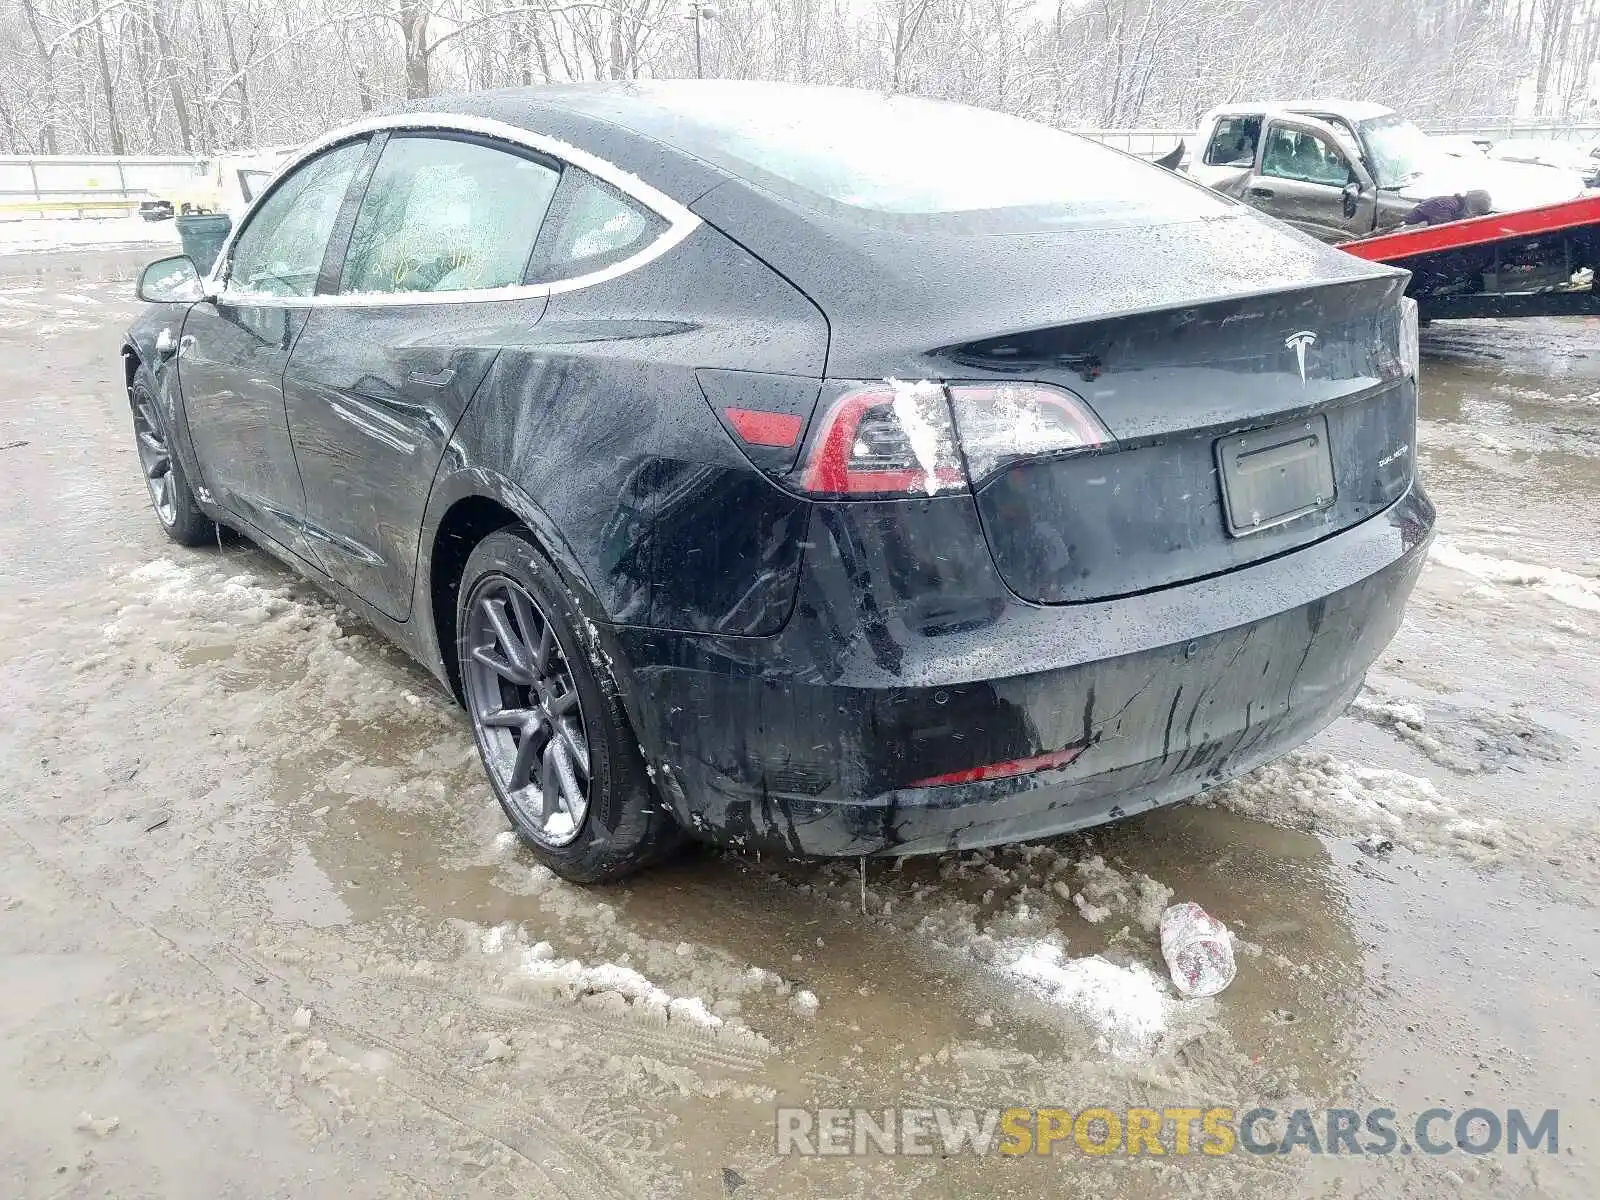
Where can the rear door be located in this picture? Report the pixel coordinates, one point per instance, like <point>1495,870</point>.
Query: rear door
<point>1227,155</point>
<point>235,346</point>
<point>1309,176</point>
<point>406,328</point>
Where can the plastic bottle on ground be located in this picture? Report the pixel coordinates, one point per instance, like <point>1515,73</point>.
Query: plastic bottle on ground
<point>1198,949</point>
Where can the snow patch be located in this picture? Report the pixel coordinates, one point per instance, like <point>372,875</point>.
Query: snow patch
<point>1561,586</point>
<point>622,983</point>
<point>1127,1007</point>
<point>1105,890</point>
<point>176,592</point>
<point>60,233</point>
<point>1322,794</point>
<point>1388,712</point>
<point>577,980</point>
<point>920,408</point>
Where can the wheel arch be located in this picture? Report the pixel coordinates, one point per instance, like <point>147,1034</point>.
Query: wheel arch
<point>466,507</point>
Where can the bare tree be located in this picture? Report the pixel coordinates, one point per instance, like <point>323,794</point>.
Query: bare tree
<point>132,76</point>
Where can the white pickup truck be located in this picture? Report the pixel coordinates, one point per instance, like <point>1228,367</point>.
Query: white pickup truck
<point>1342,169</point>
<point>224,184</point>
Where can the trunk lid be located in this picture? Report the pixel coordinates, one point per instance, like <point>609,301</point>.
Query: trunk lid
<point>1245,428</point>
<point>1176,332</point>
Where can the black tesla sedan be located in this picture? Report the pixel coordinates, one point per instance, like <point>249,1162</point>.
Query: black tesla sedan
<point>803,469</point>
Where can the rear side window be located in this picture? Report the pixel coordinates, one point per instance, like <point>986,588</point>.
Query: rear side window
<point>592,226</point>
<point>446,215</point>
<point>1233,142</point>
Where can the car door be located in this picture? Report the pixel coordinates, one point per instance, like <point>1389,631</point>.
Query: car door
<point>430,284</point>
<point>1308,175</point>
<point>236,343</point>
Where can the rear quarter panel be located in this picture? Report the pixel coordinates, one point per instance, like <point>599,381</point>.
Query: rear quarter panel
<point>595,414</point>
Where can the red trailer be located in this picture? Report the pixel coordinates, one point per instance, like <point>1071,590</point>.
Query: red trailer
<point>1538,262</point>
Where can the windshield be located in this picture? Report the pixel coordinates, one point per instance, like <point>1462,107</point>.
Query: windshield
<point>1397,150</point>
<point>906,162</point>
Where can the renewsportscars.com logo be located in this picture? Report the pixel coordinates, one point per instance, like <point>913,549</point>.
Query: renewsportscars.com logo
<point>1176,1131</point>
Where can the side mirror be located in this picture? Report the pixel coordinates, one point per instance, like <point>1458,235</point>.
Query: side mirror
<point>170,281</point>
<point>1351,195</point>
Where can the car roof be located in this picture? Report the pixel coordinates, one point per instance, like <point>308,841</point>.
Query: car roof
<point>643,127</point>
<point>1350,110</point>
<point>645,105</point>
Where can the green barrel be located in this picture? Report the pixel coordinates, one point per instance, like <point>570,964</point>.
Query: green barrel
<point>202,236</point>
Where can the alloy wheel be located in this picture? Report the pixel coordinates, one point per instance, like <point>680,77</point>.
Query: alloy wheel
<point>526,710</point>
<point>156,461</point>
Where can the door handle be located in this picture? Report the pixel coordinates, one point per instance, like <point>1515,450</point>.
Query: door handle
<point>1264,193</point>
<point>166,344</point>
<point>438,379</point>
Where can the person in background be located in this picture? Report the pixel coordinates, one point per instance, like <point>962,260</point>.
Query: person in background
<point>1440,210</point>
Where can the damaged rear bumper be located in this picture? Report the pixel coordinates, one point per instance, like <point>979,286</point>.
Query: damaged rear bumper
<point>769,744</point>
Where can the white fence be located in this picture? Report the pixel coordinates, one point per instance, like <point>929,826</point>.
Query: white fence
<point>38,184</point>
<point>1146,143</point>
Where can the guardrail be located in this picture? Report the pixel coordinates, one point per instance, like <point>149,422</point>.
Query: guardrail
<point>34,180</point>
<point>1582,132</point>
<point>37,183</point>
<point>1146,143</point>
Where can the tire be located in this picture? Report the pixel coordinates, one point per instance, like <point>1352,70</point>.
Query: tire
<point>174,504</point>
<point>556,745</point>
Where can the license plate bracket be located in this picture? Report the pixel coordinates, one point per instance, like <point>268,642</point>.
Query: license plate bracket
<point>1276,475</point>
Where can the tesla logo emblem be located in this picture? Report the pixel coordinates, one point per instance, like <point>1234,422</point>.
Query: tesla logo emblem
<point>1298,342</point>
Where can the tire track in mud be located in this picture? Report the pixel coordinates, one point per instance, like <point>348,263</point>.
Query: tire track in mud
<point>428,1080</point>
<point>564,1160</point>
<point>691,1049</point>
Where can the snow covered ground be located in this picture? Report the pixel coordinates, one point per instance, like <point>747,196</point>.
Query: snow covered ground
<point>61,233</point>
<point>1564,587</point>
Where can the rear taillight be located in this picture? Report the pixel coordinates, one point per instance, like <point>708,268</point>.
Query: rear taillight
<point>906,439</point>
<point>885,439</point>
<point>1001,423</point>
<point>1410,338</point>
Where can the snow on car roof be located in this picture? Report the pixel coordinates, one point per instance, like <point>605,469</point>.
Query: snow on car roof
<point>1350,110</point>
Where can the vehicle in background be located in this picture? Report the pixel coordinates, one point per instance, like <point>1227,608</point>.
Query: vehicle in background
<point>745,478</point>
<point>1547,152</point>
<point>224,184</point>
<point>1342,169</point>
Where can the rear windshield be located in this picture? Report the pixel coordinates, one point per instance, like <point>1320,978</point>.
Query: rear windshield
<point>899,160</point>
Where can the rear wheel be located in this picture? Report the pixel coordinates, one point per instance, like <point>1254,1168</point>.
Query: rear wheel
<point>169,491</point>
<point>556,745</point>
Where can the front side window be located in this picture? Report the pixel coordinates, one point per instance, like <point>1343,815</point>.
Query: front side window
<point>279,251</point>
<point>1233,142</point>
<point>594,226</point>
<point>1303,156</point>
<point>446,215</point>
